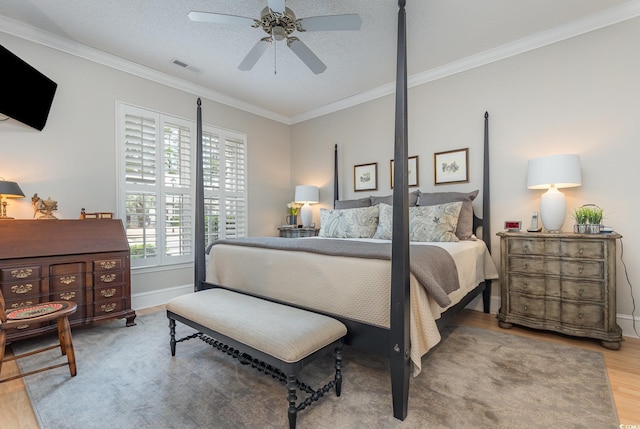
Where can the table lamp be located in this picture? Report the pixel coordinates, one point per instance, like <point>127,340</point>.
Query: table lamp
<point>8,190</point>
<point>552,173</point>
<point>306,194</point>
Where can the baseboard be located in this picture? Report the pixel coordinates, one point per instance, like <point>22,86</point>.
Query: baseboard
<point>158,297</point>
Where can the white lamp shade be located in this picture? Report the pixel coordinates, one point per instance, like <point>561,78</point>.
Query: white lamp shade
<point>553,172</point>
<point>562,171</point>
<point>306,195</point>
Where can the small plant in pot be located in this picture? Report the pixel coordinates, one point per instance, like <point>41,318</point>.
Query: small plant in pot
<point>588,219</point>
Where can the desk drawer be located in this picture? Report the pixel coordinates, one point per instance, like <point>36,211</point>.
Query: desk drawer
<point>14,274</point>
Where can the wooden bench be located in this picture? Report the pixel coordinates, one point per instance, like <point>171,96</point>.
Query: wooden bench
<point>274,338</point>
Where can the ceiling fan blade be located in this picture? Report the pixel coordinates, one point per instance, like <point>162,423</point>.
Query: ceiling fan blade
<point>219,18</point>
<point>306,55</point>
<point>349,22</point>
<point>254,54</point>
<point>276,5</point>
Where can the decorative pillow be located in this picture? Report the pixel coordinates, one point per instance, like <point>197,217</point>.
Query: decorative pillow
<point>349,223</point>
<point>385,222</point>
<point>413,199</point>
<point>464,229</point>
<point>352,204</point>
<point>427,223</point>
<point>434,223</point>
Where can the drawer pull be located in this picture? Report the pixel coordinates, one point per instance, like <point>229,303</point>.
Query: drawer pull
<point>67,295</point>
<point>525,248</point>
<point>21,274</point>
<point>22,326</point>
<point>107,278</point>
<point>524,307</point>
<point>107,293</point>
<point>580,269</point>
<point>22,304</point>
<point>107,308</point>
<point>580,314</point>
<point>67,279</point>
<point>525,265</point>
<point>580,250</point>
<point>107,265</point>
<point>524,285</point>
<point>21,288</point>
<point>581,292</point>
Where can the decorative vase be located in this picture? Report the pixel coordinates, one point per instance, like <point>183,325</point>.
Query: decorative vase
<point>292,220</point>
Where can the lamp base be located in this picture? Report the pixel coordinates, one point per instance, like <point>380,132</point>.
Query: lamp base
<point>553,209</point>
<point>306,215</point>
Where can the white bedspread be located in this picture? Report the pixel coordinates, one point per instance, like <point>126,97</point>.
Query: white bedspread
<point>355,288</point>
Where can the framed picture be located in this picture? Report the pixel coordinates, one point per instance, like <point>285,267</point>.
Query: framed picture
<point>365,177</point>
<point>412,173</point>
<point>451,166</point>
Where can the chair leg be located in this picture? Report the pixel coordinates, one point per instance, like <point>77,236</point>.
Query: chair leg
<point>3,343</point>
<point>66,344</point>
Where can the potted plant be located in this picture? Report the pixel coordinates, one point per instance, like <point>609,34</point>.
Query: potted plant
<point>588,219</point>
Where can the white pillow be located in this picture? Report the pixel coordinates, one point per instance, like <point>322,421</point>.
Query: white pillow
<point>349,223</point>
<point>426,223</point>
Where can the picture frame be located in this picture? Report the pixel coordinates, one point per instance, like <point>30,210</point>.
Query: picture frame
<point>365,177</point>
<point>412,173</point>
<point>451,166</point>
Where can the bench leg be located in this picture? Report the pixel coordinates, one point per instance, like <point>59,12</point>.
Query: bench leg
<point>172,332</point>
<point>291,397</point>
<point>338,367</point>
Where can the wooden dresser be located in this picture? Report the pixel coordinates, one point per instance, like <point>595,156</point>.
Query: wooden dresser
<point>560,282</point>
<point>85,261</point>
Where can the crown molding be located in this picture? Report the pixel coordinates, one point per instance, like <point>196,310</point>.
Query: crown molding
<point>575,28</point>
<point>32,34</point>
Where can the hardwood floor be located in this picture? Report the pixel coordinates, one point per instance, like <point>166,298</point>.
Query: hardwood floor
<point>623,367</point>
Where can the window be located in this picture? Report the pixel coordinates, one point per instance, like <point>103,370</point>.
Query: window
<point>157,185</point>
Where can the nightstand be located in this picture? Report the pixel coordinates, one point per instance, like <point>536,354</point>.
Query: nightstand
<point>560,282</point>
<point>297,232</point>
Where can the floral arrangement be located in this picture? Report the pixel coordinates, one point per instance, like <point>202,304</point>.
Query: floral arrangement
<point>293,208</point>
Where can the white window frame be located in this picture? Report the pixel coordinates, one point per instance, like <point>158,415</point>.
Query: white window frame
<point>161,190</point>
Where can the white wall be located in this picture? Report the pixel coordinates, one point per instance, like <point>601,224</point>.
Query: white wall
<point>578,96</point>
<point>73,159</point>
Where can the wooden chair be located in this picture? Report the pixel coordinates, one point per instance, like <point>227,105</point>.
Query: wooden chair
<point>44,312</point>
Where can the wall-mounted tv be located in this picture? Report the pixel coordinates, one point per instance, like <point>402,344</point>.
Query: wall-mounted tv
<point>26,94</point>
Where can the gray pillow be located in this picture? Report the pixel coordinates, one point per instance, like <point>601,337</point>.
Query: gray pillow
<point>352,204</point>
<point>413,199</point>
<point>464,230</point>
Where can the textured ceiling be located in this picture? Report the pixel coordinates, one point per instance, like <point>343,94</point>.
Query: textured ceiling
<point>155,32</point>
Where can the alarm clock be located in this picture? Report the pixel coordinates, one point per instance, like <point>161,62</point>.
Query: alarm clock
<point>512,225</point>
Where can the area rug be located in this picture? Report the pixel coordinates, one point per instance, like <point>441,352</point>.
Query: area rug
<point>475,378</point>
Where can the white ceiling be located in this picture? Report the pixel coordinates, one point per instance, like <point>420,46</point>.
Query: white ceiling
<point>444,36</point>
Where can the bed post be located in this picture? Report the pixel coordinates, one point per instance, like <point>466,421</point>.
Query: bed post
<point>399,353</point>
<point>199,263</point>
<point>486,212</point>
<point>336,195</point>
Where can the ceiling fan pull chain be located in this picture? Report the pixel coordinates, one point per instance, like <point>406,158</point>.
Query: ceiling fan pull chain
<point>275,58</point>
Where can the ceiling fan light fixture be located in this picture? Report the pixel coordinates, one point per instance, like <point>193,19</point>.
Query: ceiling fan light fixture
<point>278,33</point>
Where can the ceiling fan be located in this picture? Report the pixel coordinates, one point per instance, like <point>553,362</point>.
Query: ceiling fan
<point>279,22</point>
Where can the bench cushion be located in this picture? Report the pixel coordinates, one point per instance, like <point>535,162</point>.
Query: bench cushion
<point>286,333</point>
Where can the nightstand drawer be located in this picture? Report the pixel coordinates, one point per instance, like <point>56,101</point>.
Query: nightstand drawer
<point>536,265</point>
<point>590,291</point>
<point>582,249</point>
<point>528,285</point>
<point>583,315</point>
<point>583,269</point>
<point>524,246</point>
<point>527,306</point>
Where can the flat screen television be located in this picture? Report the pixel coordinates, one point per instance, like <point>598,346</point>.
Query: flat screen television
<point>26,94</point>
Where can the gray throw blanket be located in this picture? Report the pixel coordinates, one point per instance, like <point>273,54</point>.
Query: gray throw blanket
<point>432,266</point>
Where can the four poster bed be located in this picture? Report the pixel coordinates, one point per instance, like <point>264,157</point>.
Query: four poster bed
<point>348,279</point>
